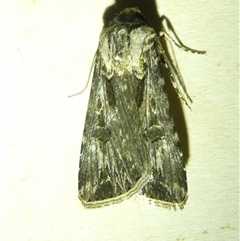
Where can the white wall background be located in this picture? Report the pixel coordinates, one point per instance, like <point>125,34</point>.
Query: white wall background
<point>46,53</point>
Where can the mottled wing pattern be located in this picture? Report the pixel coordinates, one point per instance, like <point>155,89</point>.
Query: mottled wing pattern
<point>129,142</point>
<point>168,183</point>
<point>113,160</point>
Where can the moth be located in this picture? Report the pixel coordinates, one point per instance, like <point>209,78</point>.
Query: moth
<point>130,145</point>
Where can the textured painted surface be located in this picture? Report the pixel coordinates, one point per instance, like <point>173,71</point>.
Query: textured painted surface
<point>46,54</point>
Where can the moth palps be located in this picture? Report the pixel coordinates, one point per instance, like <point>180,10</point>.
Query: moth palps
<point>129,143</point>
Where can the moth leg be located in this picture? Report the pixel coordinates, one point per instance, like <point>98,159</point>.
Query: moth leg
<point>177,42</point>
<point>180,46</point>
<point>176,80</point>
<point>175,76</point>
